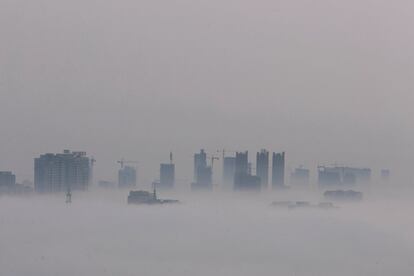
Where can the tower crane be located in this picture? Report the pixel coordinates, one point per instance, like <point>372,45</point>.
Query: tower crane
<point>223,151</point>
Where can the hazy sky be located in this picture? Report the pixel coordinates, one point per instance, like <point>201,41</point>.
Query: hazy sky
<point>327,81</point>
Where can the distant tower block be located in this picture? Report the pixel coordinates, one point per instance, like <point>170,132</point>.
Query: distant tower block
<point>167,176</point>
<point>278,170</point>
<point>229,169</point>
<point>262,168</point>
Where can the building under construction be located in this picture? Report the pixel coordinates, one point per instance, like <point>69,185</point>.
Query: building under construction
<point>278,170</point>
<point>58,172</point>
<point>243,179</point>
<point>203,174</point>
<point>342,176</point>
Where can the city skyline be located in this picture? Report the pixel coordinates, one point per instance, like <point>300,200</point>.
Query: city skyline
<point>206,137</point>
<point>325,84</point>
<point>74,170</point>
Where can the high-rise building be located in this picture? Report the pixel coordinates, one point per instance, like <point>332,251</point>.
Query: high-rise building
<point>241,163</point>
<point>278,170</point>
<point>299,178</point>
<point>62,171</point>
<point>229,169</point>
<point>127,177</point>
<point>200,161</point>
<point>243,179</point>
<point>202,173</point>
<point>7,180</point>
<point>262,167</point>
<point>342,176</point>
<point>167,176</point>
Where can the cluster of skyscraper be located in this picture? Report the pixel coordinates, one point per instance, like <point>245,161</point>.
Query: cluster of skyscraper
<point>73,171</point>
<point>237,171</point>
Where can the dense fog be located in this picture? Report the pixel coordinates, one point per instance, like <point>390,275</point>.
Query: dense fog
<point>327,82</point>
<point>215,234</point>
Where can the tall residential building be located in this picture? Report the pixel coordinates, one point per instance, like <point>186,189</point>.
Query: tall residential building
<point>167,176</point>
<point>342,176</point>
<point>200,161</point>
<point>127,177</point>
<point>262,167</point>
<point>202,173</point>
<point>241,163</point>
<point>243,179</point>
<point>229,169</point>
<point>59,172</point>
<point>7,180</point>
<point>278,170</point>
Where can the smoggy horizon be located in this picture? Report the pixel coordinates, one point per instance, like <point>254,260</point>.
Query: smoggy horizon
<point>325,82</point>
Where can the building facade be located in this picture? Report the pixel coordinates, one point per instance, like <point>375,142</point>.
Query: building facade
<point>127,177</point>
<point>167,176</point>
<point>229,169</point>
<point>62,171</point>
<point>7,180</point>
<point>262,168</point>
<point>203,174</point>
<point>278,170</point>
<point>342,176</point>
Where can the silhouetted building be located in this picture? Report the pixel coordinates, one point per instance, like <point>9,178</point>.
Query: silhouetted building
<point>202,173</point>
<point>144,197</point>
<point>342,176</point>
<point>127,177</point>
<point>59,172</point>
<point>200,161</point>
<point>246,182</point>
<point>243,179</point>
<point>300,177</point>
<point>167,176</point>
<point>241,163</point>
<point>7,180</point>
<point>328,177</point>
<point>278,170</point>
<point>262,167</point>
<point>229,169</point>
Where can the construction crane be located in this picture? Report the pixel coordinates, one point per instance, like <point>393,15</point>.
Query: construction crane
<point>122,162</point>
<point>223,151</point>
